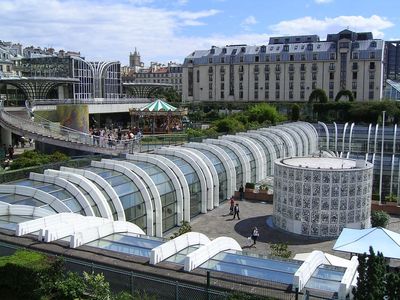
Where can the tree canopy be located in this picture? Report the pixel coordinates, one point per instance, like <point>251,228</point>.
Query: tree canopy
<point>344,93</point>
<point>318,94</point>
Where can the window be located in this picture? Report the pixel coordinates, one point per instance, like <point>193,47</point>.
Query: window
<point>278,57</point>
<point>301,94</point>
<point>310,47</point>
<point>371,95</point>
<point>302,67</point>
<point>314,67</point>
<point>266,76</point>
<point>332,66</point>
<point>240,76</point>
<point>222,60</point>
<point>266,57</point>
<point>222,94</point>
<point>355,55</point>
<point>266,69</point>
<point>210,86</point>
<point>277,95</point>
<point>277,85</point>
<point>356,45</point>
<point>314,85</point>
<point>303,57</point>
<point>255,77</point>
<point>224,50</point>
<point>302,76</point>
<point>286,48</point>
<point>371,85</point>
<point>332,55</point>
<point>373,44</point>
<point>210,78</point>
<point>372,55</point>
<point>315,56</point>
<point>240,68</point>
<point>256,85</point>
<point>240,94</point>
<point>267,85</point>
<point>354,85</point>
<point>371,75</point>
<point>243,49</point>
<point>372,65</point>
<point>302,85</point>
<point>240,85</point>
<point>278,76</point>
<point>291,76</point>
<point>291,68</point>
<point>256,94</point>
<point>256,69</point>
<point>267,95</point>
<point>222,86</point>
<point>331,76</point>
<point>277,68</point>
<point>355,66</point>
<point>290,94</point>
<point>222,77</point>
<point>210,60</point>
<point>330,94</point>
<point>291,85</point>
<point>355,94</point>
<point>241,58</point>
<point>263,49</point>
<point>197,76</point>
<point>331,85</point>
<point>354,75</point>
<point>314,76</point>
<point>291,57</point>
<point>210,70</point>
<point>210,94</point>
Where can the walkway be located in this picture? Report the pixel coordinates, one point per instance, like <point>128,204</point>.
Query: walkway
<point>218,223</point>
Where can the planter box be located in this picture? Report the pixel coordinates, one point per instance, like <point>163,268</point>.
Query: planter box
<point>389,207</point>
<point>252,196</point>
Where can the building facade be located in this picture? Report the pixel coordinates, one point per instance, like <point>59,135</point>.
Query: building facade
<point>287,69</point>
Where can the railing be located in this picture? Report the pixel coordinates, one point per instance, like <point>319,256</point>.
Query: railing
<point>89,101</point>
<point>46,128</point>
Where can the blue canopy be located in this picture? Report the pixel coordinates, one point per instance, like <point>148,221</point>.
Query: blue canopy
<point>359,241</point>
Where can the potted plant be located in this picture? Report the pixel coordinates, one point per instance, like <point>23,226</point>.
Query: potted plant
<point>249,187</point>
<point>263,189</point>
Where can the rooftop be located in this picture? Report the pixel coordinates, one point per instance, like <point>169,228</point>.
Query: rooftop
<point>321,162</point>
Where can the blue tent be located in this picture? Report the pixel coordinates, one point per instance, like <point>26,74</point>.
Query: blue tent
<point>359,241</point>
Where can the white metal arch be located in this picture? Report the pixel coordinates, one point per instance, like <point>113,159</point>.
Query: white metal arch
<point>298,142</point>
<point>129,169</point>
<point>204,253</point>
<point>257,154</point>
<point>244,160</point>
<point>182,194</point>
<point>86,185</point>
<point>107,188</point>
<point>275,139</point>
<point>326,133</point>
<point>260,150</point>
<point>162,252</point>
<point>94,233</point>
<point>7,209</point>
<point>288,141</point>
<point>272,155</point>
<point>204,160</point>
<point>37,194</point>
<point>206,186</point>
<point>78,195</point>
<point>312,134</point>
<point>226,161</point>
<point>303,136</point>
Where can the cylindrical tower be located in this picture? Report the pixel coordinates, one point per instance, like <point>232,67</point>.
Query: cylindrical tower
<point>319,196</point>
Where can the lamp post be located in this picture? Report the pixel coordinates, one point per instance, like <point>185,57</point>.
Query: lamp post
<point>381,173</point>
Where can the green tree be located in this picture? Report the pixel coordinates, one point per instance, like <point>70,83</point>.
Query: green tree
<point>371,282</point>
<point>264,112</point>
<point>96,286</point>
<point>379,219</point>
<point>229,125</point>
<point>318,94</point>
<point>393,286</point>
<point>295,112</point>
<point>344,93</point>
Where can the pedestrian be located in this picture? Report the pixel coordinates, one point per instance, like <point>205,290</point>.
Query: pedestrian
<point>232,202</point>
<point>254,235</point>
<point>236,211</point>
<point>241,190</point>
<point>10,152</point>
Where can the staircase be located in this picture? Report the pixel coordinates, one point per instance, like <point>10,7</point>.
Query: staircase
<point>20,123</point>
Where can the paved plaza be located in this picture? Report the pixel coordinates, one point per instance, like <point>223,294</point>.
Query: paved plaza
<point>218,223</point>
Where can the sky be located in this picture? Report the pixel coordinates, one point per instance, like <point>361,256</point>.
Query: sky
<point>169,30</point>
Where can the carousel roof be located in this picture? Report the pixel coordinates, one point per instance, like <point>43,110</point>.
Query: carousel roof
<point>158,105</point>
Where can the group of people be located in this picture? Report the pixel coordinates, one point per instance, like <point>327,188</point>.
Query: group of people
<point>235,210</point>
<point>111,137</point>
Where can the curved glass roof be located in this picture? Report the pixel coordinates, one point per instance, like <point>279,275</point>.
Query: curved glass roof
<point>59,192</point>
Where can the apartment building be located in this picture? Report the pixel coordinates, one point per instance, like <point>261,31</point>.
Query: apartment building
<point>287,69</point>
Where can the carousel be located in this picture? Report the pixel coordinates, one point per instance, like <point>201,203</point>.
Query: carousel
<point>157,117</point>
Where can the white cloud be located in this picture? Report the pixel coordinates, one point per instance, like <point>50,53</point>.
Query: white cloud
<point>102,30</point>
<point>322,1</point>
<point>248,22</point>
<point>310,25</point>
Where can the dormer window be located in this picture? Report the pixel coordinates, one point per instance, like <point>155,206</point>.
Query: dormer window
<point>310,47</point>
<point>243,49</point>
<point>286,48</point>
<point>373,44</point>
<point>356,45</point>
<point>263,49</point>
<point>223,50</point>
<point>212,51</point>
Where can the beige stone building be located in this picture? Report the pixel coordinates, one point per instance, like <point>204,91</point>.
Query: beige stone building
<point>287,69</point>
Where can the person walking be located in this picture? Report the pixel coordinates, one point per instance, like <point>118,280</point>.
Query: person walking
<point>254,235</point>
<point>241,192</point>
<point>232,202</point>
<point>236,211</point>
<point>10,152</point>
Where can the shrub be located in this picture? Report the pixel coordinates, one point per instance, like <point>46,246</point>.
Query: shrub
<point>318,94</point>
<point>295,112</point>
<point>250,185</point>
<point>185,228</point>
<point>229,125</point>
<point>280,250</point>
<point>34,158</point>
<point>379,219</point>
<point>345,93</point>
